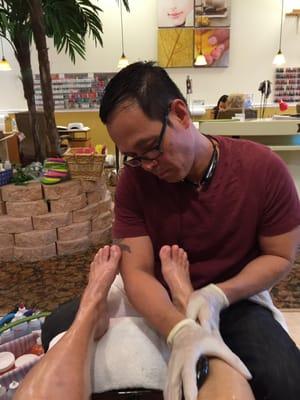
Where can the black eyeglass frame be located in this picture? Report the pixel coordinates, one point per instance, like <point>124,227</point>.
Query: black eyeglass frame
<point>137,161</point>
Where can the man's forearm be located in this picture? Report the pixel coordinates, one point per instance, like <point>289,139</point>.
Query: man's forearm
<point>151,299</point>
<point>260,274</point>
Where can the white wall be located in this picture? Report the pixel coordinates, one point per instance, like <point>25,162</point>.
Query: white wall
<point>254,42</point>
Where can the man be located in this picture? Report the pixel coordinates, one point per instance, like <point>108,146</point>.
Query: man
<point>231,205</point>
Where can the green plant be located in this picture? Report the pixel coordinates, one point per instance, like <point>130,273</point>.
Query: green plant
<point>68,22</point>
<point>20,177</point>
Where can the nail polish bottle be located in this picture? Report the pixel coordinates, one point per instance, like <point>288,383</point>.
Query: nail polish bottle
<point>7,336</point>
<point>37,348</point>
<point>34,325</point>
<point>13,387</point>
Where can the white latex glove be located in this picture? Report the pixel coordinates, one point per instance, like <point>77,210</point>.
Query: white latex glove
<point>205,306</point>
<point>188,341</point>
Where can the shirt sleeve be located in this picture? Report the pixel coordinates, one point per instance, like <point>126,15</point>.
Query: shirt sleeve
<point>281,206</point>
<point>129,219</point>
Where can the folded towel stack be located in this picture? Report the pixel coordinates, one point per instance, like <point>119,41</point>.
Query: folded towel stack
<point>55,171</point>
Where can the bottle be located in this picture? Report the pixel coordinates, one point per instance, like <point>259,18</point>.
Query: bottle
<point>7,336</point>
<point>7,124</point>
<point>14,127</point>
<point>7,165</point>
<point>21,329</point>
<point>34,325</point>
<point>37,348</point>
<point>20,313</point>
<point>13,386</point>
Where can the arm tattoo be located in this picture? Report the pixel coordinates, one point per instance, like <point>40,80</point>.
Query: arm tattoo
<point>123,247</point>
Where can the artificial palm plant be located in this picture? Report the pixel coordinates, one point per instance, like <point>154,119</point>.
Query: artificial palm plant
<point>68,22</point>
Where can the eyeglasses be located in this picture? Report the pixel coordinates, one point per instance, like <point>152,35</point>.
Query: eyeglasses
<point>149,155</point>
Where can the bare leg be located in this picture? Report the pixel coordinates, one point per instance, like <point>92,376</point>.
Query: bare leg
<point>230,384</point>
<point>64,371</point>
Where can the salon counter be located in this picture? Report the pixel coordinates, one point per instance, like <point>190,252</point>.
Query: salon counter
<point>282,136</point>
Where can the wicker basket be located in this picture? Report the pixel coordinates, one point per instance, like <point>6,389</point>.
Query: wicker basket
<point>5,177</point>
<point>84,166</point>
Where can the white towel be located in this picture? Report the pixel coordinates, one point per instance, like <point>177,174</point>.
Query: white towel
<point>131,354</point>
<point>265,300</point>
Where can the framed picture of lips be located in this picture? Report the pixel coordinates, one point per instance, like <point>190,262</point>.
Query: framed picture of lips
<point>174,14</point>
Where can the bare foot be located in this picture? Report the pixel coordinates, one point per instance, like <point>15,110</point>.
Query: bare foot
<point>103,271</point>
<point>175,270</point>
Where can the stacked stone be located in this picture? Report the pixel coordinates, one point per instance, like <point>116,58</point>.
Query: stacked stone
<point>39,221</point>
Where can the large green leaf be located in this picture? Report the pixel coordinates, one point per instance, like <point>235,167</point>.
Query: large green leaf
<point>68,22</point>
<point>14,20</point>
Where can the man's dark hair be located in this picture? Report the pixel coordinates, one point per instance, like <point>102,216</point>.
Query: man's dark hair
<point>143,83</point>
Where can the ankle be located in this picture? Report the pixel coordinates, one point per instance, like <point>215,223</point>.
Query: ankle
<point>181,302</point>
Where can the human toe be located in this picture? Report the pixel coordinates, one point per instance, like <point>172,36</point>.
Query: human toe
<point>115,253</point>
<point>105,254</point>
<point>165,253</point>
<point>175,252</point>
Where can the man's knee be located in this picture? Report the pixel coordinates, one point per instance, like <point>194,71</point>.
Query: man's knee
<point>267,350</point>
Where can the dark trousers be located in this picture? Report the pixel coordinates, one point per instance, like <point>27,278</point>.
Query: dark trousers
<point>266,349</point>
<point>250,331</point>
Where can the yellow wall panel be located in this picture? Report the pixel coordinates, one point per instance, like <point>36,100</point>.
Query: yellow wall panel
<point>91,119</point>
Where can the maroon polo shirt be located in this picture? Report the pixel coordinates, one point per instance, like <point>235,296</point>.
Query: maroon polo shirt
<point>251,194</point>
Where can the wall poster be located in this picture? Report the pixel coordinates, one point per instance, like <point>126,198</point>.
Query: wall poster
<point>186,27</point>
<point>74,91</point>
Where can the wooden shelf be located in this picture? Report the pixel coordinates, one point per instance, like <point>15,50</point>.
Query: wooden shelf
<point>295,13</point>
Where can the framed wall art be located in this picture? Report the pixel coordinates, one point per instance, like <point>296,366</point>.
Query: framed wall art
<point>175,47</point>
<point>213,43</point>
<point>187,27</point>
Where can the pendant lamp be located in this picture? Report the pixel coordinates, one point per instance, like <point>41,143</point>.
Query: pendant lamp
<point>4,64</point>
<point>123,62</point>
<point>279,59</point>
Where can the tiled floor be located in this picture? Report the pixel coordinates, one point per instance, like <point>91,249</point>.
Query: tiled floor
<point>292,317</point>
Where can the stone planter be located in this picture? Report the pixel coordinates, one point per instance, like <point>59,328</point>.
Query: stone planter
<point>39,221</point>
